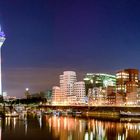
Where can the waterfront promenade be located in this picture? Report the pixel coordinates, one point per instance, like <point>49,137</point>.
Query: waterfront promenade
<point>85,110</point>
<point>107,108</point>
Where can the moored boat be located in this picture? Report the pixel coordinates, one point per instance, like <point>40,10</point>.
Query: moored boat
<point>129,114</point>
<point>77,113</point>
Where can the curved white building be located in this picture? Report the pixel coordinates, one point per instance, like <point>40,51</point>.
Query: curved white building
<point>67,81</point>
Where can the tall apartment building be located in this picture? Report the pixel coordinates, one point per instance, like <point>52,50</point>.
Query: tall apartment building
<point>79,91</point>
<point>67,81</point>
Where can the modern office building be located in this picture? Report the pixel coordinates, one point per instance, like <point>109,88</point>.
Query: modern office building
<point>127,81</point>
<point>2,39</point>
<point>111,99</point>
<point>127,85</point>
<point>122,78</point>
<point>79,91</point>
<point>67,81</point>
<point>99,80</point>
<point>56,95</point>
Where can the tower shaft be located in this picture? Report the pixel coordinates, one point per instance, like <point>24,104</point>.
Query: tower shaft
<point>2,39</point>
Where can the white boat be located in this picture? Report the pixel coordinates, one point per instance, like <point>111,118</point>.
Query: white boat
<point>77,113</point>
<point>129,114</point>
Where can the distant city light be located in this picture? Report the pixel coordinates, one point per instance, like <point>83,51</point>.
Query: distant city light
<point>27,89</point>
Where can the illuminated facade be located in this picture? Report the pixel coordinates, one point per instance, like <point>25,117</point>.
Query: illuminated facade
<point>2,39</point>
<point>67,81</point>
<point>127,81</point>
<point>99,80</point>
<point>127,86</point>
<point>79,91</point>
<point>56,95</point>
<point>122,78</point>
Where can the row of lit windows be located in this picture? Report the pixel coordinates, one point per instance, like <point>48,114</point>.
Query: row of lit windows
<point>123,76</point>
<point>132,85</point>
<point>121,88</point>
<point>122,73</point>
<point>79,91</point>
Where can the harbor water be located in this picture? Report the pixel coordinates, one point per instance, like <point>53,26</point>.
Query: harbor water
<point>68,128</point>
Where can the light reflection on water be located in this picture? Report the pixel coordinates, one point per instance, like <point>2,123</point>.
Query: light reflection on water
<point>67,128</point>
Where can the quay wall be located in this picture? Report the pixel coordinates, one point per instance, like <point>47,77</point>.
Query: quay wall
<point>94,108</point>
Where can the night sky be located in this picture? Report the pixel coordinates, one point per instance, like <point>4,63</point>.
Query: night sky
<point>46,37</point>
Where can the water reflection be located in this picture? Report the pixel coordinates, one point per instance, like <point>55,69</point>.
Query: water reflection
<point>67,128</point>
<point>91,129</point>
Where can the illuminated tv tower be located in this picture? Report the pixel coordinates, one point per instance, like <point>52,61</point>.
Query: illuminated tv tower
<point>2,39</point>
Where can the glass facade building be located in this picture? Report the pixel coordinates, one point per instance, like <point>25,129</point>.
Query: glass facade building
<point>99,80</point>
